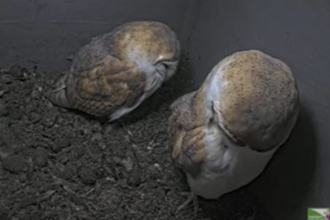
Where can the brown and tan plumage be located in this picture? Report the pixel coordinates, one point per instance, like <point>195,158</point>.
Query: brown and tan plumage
<point>115,72</point>
<point>225,133</point>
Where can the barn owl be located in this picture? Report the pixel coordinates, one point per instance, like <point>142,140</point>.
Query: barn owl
<point>116,71</point>
<point>224,134</point>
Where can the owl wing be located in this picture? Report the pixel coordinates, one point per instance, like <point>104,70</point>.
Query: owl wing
<point>94,53</point>
<point>106,87</point>
<point>186,137</point>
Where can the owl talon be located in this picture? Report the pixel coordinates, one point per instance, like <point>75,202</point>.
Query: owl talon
<point>191,198</point>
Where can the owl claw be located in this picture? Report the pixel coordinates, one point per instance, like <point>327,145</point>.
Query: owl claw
<point>192,197</point>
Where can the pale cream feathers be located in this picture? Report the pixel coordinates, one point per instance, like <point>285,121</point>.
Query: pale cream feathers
<point>224,134</point>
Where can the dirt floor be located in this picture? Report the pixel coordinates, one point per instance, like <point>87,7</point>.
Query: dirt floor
<point>61,164</point>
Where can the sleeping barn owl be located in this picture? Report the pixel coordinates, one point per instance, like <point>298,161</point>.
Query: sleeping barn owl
<point>115,72</point>
<point>224,134</point>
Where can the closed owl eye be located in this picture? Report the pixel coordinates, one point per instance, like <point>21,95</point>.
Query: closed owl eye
<point>165,65</point>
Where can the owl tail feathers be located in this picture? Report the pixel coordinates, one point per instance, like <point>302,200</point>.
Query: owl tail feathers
<point>58,95</point>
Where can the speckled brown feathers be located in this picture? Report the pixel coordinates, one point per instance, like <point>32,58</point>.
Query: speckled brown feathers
<point>152,41</point>
<point>250,95</point>
<point>102,96</point>
<point>224,134</point>
<point>259,99</point>
<point>186,134</point>
<point>116,71</point>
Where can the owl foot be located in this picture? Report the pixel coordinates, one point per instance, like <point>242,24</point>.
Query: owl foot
<point>192,197</point>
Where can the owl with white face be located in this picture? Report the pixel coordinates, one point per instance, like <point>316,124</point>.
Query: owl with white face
<point>224,134</point>
<point>116,71</point>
